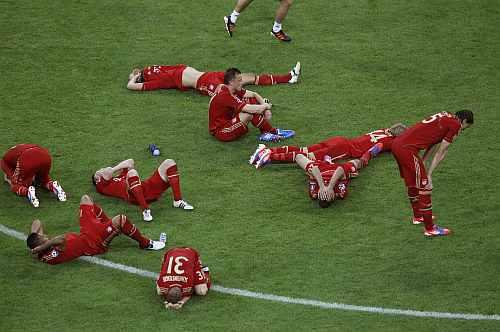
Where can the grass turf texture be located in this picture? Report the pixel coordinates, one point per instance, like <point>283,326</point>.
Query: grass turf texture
<point>365,65</point>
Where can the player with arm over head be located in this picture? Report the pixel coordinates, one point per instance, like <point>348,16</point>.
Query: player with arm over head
<point>182,77</point>
<point>181,275</point>
<point>328,181</point>
<point>364,147</point>
<point>26,164</point>
<point>97,231</point>
<point>229,114</point>
<point>128,186</point>
<point>439,129</point>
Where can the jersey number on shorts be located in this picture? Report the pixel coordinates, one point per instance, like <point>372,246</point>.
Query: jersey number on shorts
<point>178,264</point>
<point>377,135</point>
<point>437,116</point>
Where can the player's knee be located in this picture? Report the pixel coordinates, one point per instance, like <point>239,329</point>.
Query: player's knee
<point>167,163</point>
<point>86,200</point>
<point>245,117</point>
<point>118,220</point>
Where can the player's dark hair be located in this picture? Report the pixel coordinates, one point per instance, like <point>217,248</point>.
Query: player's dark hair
<point>466,115</point>
<point>324,204</point>
<point>140,78</point>
<point>230,74</point>
<point>93,180</point>
<point>173,295</point>
<point>33,240</point>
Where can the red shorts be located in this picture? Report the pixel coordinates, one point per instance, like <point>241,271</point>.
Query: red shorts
<point>153,188</point>
<point>208,82</point>
<point>96,234</point>
<point>411,166</point>
<point>32,162</point>
<point>232,130</point>
<point>338,147</point>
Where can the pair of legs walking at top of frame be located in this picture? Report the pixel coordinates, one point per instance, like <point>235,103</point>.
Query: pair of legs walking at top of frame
<point>434,135</point>
<point>182,77</point>
<point>26,166</point>
<point>123,181</point>
<point>277,30</point>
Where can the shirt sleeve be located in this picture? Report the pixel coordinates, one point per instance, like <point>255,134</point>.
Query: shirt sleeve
<point>233,102</point>
<point>453,130</point>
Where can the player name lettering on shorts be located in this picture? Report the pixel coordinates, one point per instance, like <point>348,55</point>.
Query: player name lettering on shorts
<point>175,278</point>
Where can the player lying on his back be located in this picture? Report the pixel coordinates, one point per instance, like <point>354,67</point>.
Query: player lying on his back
<point>182,275</point>
<point>438,130</point>
<point>334,148</point>
<point>26,164</point>
<point>128,186</point>
<point>229,114</point>
<point>97,231</point>
<point>328,181</point>
<point>182,77</point>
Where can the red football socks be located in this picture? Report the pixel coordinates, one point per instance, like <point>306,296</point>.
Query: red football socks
<point>270,79</point>
<point>135,187</point>
<point>413,196</point>
<point>261,123</point>
<point>133,232</point>
<point>425,203</point>
<point>20,190</point>
<point>173,180</point>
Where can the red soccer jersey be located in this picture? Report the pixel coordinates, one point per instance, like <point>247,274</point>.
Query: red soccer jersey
<point>115,187</point>
<point>181,268</point>
<point>74,247</point>
<point>361,144</point>
<point>433,130</point>
<point>223,107</point>
<point>327,170</point>
<point>14,152</point>
<point>157,72</point>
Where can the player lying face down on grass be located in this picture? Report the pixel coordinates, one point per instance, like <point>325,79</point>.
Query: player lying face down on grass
<point>25,165</point>
<point>182,77</point>
<point>127,185</point>
<point>333,148</point>
<point>328,181</point>
<point>233,108</point>
<point>181,276</point>
<point>97,231</point>
<point>433,135</point>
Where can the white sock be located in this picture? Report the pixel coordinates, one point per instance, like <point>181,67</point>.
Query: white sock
<point>234,16</point>
<point>276,27</point>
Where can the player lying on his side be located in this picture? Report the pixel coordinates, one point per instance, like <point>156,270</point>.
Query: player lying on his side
<point>181,276</point>
<point>128,186</point>
<point>334,148</point>
<point>328,181</point>
<point>26,164</point>
<point>97,231</point>
<point>182,77</point>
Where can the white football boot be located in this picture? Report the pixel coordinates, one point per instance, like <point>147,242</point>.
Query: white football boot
<point>58,191</point>
<point>254,156</point>
<point>182,204</point>
<point>31,196</point>
<point>146,215</point>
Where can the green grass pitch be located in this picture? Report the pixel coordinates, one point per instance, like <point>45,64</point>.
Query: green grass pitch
<point>366,64</point>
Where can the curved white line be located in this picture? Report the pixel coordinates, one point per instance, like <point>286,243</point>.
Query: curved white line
<point>278,298</point>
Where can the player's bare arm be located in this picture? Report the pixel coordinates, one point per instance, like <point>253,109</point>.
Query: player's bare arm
<point>56,241</point>
<point>438,157</point>
<point>126,164</point>
<point>339,174</point>
<point>256,109</point>
<point>37,227</point>
<point>106,173</point>
<point>132,78</point>
<point>260,99</point>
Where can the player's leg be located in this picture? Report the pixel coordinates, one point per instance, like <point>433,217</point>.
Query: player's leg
<point>23,176</point>
<point>45,164</point>
<point>169,173</point>
<point>233,129</point>
<point>136,189</point>
<point>230,20</point>
<point>281,13</point>
<point>122,223</point>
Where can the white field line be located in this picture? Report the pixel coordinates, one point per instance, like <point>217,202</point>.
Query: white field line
<point>278,298</point>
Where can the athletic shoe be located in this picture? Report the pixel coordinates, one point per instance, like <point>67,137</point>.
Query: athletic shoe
<point>229,25</point>
<point>146,215</point>
<point>181,204</point>
<point>255,156</point>
<point>281,35</point>
<point>437,231</point>
<point>264,158</point>
<point>155,245</point>
<point>31,196</point>
<point>163,237</point>
<point>295,72</point>
<point>269,137</point>
<point>58,191</point>
<point>285,133</point>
